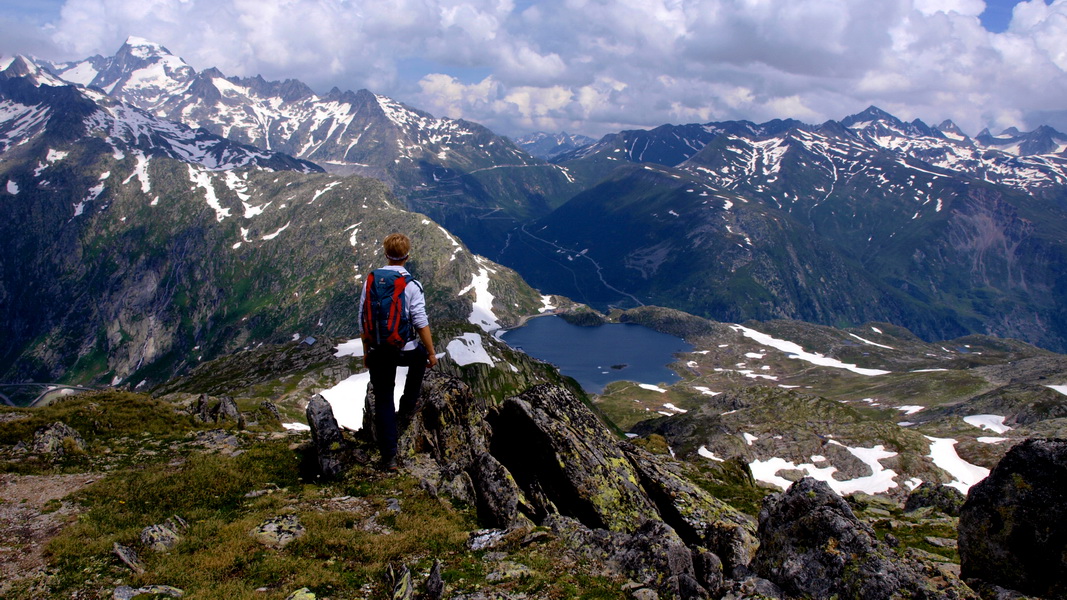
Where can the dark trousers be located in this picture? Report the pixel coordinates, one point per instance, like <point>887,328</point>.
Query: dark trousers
<point>382,363</point>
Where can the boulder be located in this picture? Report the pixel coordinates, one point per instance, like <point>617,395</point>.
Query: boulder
<point>271,409</point>
<point>226,410</point>
<point>1013,527</point>
<point>698,517</point>
<point>435,583</point>
<point>202,411</point>
<point>159,538</point>
<point>57,439</point>
<point>812,545</point>
<point>278,532</point>
<point>653,555</point>
<point>330,445</point>
<point>557,449</point>
<point>947,499</point>
<point>499,496</point>
<point>129,557</point>
<point>448,423</point>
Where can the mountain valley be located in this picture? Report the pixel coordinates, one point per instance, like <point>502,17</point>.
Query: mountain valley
<point>877,309</point>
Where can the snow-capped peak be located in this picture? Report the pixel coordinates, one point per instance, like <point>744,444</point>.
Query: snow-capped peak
<point>142,48</point>
<point>22,66</point>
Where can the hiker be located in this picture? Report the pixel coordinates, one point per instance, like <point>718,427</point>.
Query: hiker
<point>395,332</point>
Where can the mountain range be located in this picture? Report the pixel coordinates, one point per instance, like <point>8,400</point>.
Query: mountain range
<point>865,219</point>
<point>459,173</point>
<point>133,247</point>
<point>141,194</point>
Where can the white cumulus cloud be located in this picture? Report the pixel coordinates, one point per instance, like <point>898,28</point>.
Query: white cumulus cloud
<point>596,66</point>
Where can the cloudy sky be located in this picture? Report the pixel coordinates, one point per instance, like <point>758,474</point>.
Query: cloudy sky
<point>597,66</point>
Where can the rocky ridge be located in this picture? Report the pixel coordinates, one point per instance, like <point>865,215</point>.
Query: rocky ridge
<point>529,495</point>
<point>543,459</point>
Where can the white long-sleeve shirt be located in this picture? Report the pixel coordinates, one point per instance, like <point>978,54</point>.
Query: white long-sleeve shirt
<point>416,304</point>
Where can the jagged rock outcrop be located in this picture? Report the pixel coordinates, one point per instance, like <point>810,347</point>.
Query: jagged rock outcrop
<point>162,537</point>
<point>700,518</point>
<point>1013,527</point>
<point>330,445</point>
<point>813,546</point>
<point>554,445</point>
<point>57,439</point>
<point>947,499</point>
<point>543,458</point>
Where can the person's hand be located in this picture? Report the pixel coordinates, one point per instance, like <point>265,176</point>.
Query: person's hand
<point>431,360</point>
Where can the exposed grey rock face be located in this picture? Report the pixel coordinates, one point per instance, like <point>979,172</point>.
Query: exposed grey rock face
<point>947,499</point>
<point>159,538</point>
<point>553,444</point>
<point>700,518</point>
<point>1013,527</point>
<point>129,557</point>
<point>330,445</point>
<point>544,458</point>
<point>227,410</point>
<point>50,440</point>
<point>813,546</point>
<point>653,555</point>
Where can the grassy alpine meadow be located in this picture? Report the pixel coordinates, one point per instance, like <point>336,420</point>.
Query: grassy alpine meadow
<point>147,462</point>
<point>357,529</point>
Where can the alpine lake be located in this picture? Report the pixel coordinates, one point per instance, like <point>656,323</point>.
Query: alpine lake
<point>597,356</point>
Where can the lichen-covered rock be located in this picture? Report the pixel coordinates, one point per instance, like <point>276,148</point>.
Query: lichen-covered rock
<point>277,532</point>
<point>56,439</point>
<point>812,545</point>
<point>129,557</point>
<point>698,517</point>
<point>435,583</point>
<point>271,409</point>
<point>653,555</point>
<point>330,445</point>
<point>159,538</point>
<point>400,581</point>
<point>499,497</point>
<point>226,410</point>
<point>1013,527</point>
<point>449,424</point>
<point>947,499</point>
<point>556,448</point>
<point>301,594</point>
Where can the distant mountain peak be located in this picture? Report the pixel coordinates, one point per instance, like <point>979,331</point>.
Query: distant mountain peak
<point>22,66</point>
<point>144,48</point>
<point>550,145</point>
<point>871,114</point>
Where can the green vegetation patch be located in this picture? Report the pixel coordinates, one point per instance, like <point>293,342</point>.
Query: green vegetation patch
<point>355,530</point>
<point>102,415</point>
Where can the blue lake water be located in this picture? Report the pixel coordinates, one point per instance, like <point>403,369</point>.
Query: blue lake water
<point>591,354</point>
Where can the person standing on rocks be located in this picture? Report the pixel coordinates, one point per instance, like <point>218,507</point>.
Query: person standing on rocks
<point>395,332</point>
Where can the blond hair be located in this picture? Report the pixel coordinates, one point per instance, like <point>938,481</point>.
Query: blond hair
<point>397,246</point>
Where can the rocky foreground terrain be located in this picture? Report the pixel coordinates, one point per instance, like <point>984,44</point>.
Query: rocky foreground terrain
<point>534,495</point>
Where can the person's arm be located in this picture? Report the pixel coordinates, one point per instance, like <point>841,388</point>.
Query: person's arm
<point>427,342</point>
<point>363,335</point>
<point>417,308</point>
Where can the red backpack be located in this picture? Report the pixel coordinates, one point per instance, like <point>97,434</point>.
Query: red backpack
<point>386,320</point>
